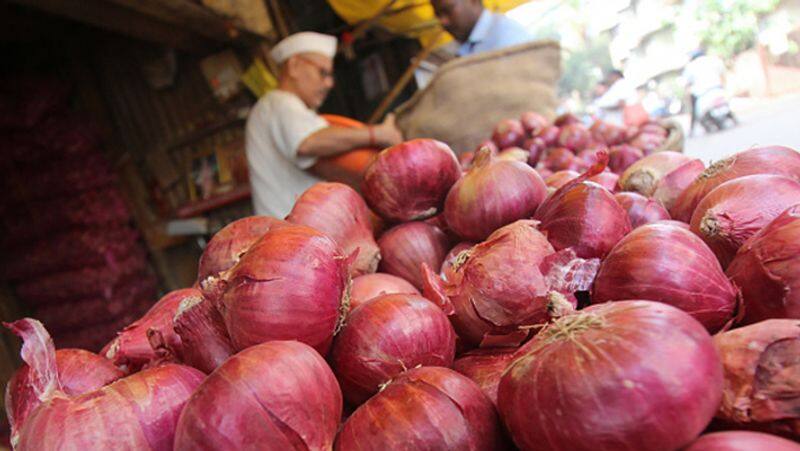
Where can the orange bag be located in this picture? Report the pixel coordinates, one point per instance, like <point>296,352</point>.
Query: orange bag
<point>348,167</point>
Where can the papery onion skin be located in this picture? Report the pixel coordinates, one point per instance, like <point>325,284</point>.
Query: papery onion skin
<point>409,181</point>
<point>641,210</point>
<point>132,349</point>
<point>452,256</point>
<point>290,285</point>
<point>370,286</point>
<point>762,387</point>
<point>644,175</point>
<point>508,133</point>
<point>760,160</point>
<point>279,395</point>
<point>406,246</point>
<point>741,441</point>
<point>492,194</point>
<point>386,336</point>
<point>485,367</point>
<point>736,210</point>
<point>340,212</point>
<point>205,342</point>
<point>670,187</point>
<point>668,263</point>
<point>424,408</point>
<point>767,269</point>
<point>625,375</point>
<point>622,157</point>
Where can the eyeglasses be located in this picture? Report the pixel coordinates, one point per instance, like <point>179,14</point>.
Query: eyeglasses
<point>323,71</point>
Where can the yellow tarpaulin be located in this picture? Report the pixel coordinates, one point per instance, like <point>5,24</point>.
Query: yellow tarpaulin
<point>410,17</point>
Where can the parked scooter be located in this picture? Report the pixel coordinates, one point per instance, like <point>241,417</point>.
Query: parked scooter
<point>713,111</point>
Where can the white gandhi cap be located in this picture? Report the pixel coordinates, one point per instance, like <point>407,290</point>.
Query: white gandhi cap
<point>304,42</point>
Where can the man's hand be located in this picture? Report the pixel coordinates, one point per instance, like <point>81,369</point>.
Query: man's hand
<point>386,133</point>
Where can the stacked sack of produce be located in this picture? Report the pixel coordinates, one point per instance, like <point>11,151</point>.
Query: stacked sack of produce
<point>68,245</point>
<point>502,315</point>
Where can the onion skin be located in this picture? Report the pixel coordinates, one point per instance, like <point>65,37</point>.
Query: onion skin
<point>492,194</point>
<point>370,286</point>
<point>673,184</point>
<point>624,375</point>
<point>406,246</point>
<point>452,256</point>
<point>205,342</point>
<point>741,441</point>
<point>79,372</point>
<point>279,395</point>
<point>736,210</point>
<point>132,349</point>
<point>385,336</point>
<point>667,263</point>
<point>429,408</point>
<point>622,157</point>
<point>340,212</point>
<point>291,285</point>
<point>485,367</point>
<point>777,160</point>
<point>762,375</point>
<point>767,269</point>
<point>409,181</point>
<point>584,216</point>
<point>508,133</point>
<point>644,175</point>
<point>641,210</point>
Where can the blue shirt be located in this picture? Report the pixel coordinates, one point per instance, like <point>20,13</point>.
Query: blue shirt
<point>493,31</point>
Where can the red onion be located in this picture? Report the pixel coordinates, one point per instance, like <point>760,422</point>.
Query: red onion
<point>514,154</point>
<point>767,269</point>
<point>608,133</point>
<point>492,194</point>
<point>386,336</point>
<point>533,122</point>
<point>761,160</point>
<point>574,136</point>
<point>486,143</point>
<point>406,246</point>
<point>606,179</point>
<point>737,209</point>
<point>132,349</point>
<point>485,367</point>
<point>667,263</point>
<point>584,216</point>
<point>654,128</point>
<point>544,173</point>
<point>508,133</point>
<point>503,283</point>
<point>623,375</point>
<point>589,155</point>
<point>622,157</point>
<point>205,342</point>
<point>136,412</point>
<point>370,286</point>
<point>535,148</point>
<point>560,178</point>
<point>79,372</point>
<point>409,181</point>
<point>566,119</point>
<point>673,184</point>
<point>560,159</point>
<point>648,142</point>
<point>339,211</point>
<point>452,257</point>
<point>279,395</point>
<point>641,210</point>
<point>741,441</point>
<point>643,176</point>
<point>290,285</point>
<point>428,408</point>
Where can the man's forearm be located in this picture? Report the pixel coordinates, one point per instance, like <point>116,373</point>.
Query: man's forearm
<point>335,140</point>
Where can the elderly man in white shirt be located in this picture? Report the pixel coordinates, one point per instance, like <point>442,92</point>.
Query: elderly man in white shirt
<point>285,136</point>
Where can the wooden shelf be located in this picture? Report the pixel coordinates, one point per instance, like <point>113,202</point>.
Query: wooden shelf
<point>199,207</point>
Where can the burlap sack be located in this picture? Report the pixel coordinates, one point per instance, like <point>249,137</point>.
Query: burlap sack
<point>469,95</point>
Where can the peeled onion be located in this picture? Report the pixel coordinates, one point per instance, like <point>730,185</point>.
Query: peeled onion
<point>738,209</point>
<point>760,160</point>
<point>622,157</point>
<point>428,408</point>
<point>644,175</point>
<point>508,133</point>
<point>624,375</point>
<point>277,396</point>
<point>409,181</point>
<point>370,286</point>
<point>762,375</point>
<point>290,285</point>
<point>386,336</point>
<point>492,194</point>
<point>641,210</point>
<point>485,367</point>
<point>406,246</point>
<point>767,269</point>
<point>339,211</point>
<point>741,441</point>
<point>674,183</point>
<point>667,263</point>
